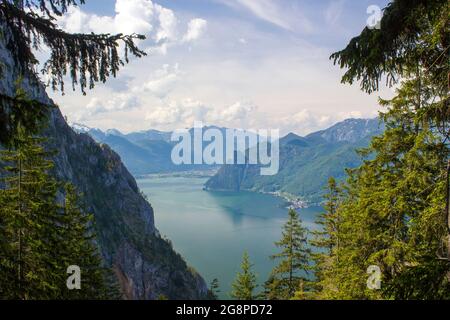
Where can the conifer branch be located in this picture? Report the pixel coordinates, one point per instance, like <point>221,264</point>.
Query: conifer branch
<point>86,58</point>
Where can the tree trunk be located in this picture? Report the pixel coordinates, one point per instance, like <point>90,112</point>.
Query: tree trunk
<point>20,258</point>
<point>447,210</point>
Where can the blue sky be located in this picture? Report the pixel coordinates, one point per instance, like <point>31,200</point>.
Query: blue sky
<point>257,64</point>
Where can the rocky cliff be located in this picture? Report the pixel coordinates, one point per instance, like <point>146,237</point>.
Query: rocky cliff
<point>146,265</point>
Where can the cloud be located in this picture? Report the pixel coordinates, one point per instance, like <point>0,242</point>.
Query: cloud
<point>306,121</point>
<point>182,113</point>
<point>279,13</point>
<point>280,72</point>
<point>266,10</point>
<point>162,82</point>
<point>334,12</point>
<point>159,24</point>
<point>185,112</point>
<point>237,111</point>
<point>196,28</point>
<point>97,106</point>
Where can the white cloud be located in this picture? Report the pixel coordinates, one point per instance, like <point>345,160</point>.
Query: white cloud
<point>306,121</point>
<point>96,106</point>
<point>266,10</point>
<point>162,82</point>
<point>334,12</point>
<point>159,24</point>
<point>282,73</point>
<point>240,110</point>
<point>184,113</point>
<point>278,13</point>
<point>196,28</point>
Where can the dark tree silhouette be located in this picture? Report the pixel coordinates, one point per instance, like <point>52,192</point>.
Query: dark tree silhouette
<point>26,25</point>
<point>87,58</point>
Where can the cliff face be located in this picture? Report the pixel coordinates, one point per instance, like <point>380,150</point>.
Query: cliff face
<point>145,264</point>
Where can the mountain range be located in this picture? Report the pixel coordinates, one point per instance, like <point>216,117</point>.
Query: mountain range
<point>146,152</point>
<point>306,163</point>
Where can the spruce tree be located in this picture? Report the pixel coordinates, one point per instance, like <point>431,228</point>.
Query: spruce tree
<point>29,212</point>
<point>245,283</point>
<point>326,239</point>
<point>42,237</point>
<point>271,289</point>
<point>78,248</point>
<point>290,274</point>
<point>393,215</point>
<point>214,289</point>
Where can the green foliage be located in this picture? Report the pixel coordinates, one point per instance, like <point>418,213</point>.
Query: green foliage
<point>398,43</point>
<point>326,241</point>
<point>75,246</point>
<point>413,39</point>
<point>393,217</point>
<point>28,213</point>
<point>245,284</point>
<point>393,214</point>
<point>290,274</point>
<point>40,237</point>
<point>271,289</point>
<point>20,112</point>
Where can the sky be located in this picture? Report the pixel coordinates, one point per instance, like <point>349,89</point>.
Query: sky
<point>252,64</point>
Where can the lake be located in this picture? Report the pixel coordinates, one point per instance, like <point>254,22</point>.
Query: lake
<point>211,230</point>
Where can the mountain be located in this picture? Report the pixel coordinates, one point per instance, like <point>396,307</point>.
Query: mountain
<point>149,135</point>
<point>146,266</point>
<point>351,131</point>
<point>147,152</point>
<point>306,163</point>
<point>142,152</point>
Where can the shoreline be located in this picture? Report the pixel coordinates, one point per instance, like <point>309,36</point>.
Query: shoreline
<point>291,201</point>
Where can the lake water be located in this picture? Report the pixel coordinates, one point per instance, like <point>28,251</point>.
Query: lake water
<point>211,230</point>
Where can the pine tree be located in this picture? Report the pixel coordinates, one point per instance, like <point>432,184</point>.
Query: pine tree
<point>40,236</point>
<point>272,289</point>
<point>326,239</point>
<point>214,289</point>
<point>76,241</point>
<point>393,215</point>
<point>245,284</point>
<point>295,255</point>
<point>28,213</point>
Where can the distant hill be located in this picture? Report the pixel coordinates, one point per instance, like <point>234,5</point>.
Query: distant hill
<point>306,163</point>
<point>143,152</point>
<point>140,153</point>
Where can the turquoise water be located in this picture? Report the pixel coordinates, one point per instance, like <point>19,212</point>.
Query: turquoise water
<point>211,230</point>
